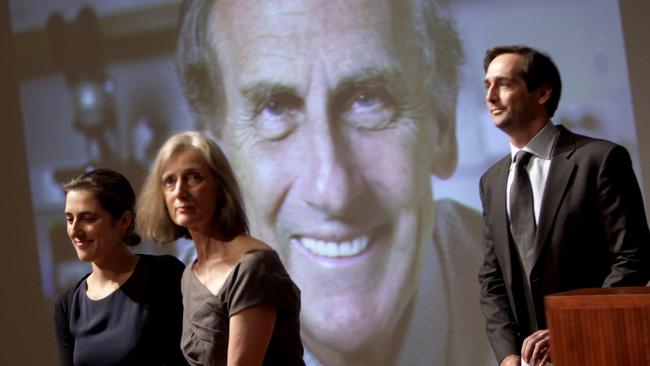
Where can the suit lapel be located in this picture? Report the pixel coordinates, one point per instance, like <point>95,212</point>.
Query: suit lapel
<point>556,185</point>
<point>501,234</point>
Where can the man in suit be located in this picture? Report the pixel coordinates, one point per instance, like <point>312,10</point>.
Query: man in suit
<point>566,213</point>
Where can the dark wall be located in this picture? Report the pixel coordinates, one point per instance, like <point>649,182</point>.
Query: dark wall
<point>26,332</point>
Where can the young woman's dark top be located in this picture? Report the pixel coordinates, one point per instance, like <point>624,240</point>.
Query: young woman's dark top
<point>138,324</point>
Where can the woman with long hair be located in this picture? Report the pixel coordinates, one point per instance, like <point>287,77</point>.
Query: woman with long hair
<point>240,305</point>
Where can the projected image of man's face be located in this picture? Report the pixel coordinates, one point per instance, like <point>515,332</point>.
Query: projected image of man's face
<point>330,131</point>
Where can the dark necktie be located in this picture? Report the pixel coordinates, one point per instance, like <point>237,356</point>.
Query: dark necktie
<point>522,213</point>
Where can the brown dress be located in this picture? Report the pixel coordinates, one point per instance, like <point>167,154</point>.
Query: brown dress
<point>258,278</point>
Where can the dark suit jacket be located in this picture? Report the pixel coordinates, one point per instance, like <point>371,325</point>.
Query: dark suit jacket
<point>592,232</point>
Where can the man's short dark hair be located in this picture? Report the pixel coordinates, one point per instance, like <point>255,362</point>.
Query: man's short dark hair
<point>538,69</point>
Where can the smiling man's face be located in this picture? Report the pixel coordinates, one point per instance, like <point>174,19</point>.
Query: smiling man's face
<point>332,136</point>
<point>512,106</point>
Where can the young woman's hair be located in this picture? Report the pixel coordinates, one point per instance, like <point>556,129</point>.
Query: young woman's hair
<point>113,192</point>
<point>153,217</point>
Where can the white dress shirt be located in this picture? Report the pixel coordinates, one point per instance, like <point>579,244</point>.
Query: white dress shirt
<point>541,146</point>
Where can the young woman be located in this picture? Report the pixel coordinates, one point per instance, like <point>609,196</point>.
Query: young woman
<point>240,306</point>
<point>128,310</point>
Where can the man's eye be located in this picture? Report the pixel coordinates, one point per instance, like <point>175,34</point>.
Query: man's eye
<point>367,100</point>
<point>277,116</point>
<point>274,109</point>
<point>278,106</point>
<point>370,110</point>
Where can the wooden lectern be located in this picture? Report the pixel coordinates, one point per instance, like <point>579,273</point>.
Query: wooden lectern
<point>600,327</point>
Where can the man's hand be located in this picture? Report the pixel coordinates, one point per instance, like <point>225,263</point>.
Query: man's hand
<point>511,360</point>
<point>536,350</point>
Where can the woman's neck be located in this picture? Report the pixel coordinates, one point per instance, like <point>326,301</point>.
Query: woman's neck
<point>111,273</point>
<point>114,267</point>
<point>208,247</point>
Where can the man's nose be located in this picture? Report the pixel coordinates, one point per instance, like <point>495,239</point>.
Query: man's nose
<point>490,95</point>
<point>332,182</point>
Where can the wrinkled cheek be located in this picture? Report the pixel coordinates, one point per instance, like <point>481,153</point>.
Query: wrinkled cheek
<point>403,186</point>
<point>261,190</point>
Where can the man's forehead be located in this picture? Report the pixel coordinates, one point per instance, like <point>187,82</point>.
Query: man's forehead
<point>507,65</point>
<point>327,10</point>
<point>245,21</point>
<point>287,41</point>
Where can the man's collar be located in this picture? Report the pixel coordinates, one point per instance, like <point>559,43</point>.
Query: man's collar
<point>542,144</point>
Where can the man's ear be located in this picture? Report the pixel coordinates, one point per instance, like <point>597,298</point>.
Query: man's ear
<point>445,150</point>
<point>544,93</point>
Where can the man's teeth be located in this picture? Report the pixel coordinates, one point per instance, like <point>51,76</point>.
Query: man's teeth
<point>334,249</point>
